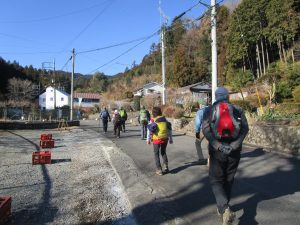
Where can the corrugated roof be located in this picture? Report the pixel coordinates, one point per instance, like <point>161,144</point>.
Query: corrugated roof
<point>87,95</point>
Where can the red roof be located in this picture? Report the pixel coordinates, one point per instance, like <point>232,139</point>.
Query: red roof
<point>87,95</point>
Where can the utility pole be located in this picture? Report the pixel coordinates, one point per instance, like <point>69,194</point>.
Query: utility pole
<point>72,84</point>
<point>162,29</point>
<point>214,54</point>
<point>54,84</point>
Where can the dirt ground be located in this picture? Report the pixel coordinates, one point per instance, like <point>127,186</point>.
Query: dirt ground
<point>79,187</point>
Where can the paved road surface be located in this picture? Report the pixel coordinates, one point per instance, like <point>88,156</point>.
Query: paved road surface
<point>266,190</point>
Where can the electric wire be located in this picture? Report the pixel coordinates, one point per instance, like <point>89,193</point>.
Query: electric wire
<point>125,52</point>
<point>89,24</point>
<point>52,17</point>
<point>115,45</point>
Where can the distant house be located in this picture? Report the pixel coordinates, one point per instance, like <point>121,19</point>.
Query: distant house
<point>152,88</point>
<point>201,90</point>
<point>138,92</point>
<point>46,99</point>
<point>86,100</point>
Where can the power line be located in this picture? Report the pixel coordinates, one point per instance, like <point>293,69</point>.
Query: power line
<point>89,24</point>
<point>22,38</point>
<point>51,17</point>
<point>115,45</point>
<point>128,50</point>
<point>66,63</point>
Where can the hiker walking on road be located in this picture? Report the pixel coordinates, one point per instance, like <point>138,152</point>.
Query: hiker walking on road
<point>117,123</point>
<point>160,133</point>
<point>123,115</point>
<point>105,117</point>
<point>225,127</point>
<point>144,118</point>
<point>199,133</point>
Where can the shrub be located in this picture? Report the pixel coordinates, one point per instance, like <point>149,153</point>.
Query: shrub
<point>244,105</point>
<point>254,102</point>
<point>173,112</point>
<point>127,107</point>
<point>136,103</point>
<point>288,108</point>
<point>296,94</point>
<point>178,113</point>
<point>168,111</point>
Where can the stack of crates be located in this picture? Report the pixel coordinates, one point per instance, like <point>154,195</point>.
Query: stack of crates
<point>46,141</point>
<point>5,209</point>
<point>42,157</point>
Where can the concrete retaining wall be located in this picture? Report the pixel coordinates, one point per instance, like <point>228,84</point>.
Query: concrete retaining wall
<point>282,138</point>
<point>13,125</point>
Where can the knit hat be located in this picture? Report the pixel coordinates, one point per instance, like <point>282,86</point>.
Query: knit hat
<point>221,94</point>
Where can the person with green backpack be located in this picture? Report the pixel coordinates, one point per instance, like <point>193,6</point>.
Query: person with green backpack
<point>144,118</point>
<point>123,115</point>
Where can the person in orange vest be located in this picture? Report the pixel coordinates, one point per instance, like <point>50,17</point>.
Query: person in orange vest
<point>160,133</point>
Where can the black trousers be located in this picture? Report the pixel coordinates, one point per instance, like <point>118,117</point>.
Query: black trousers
<point>222,170</point>
<point>117,129</point>
<point>144,129</point>
<point>162,149</point>
<point>123,124</point>
<point>104,122</point>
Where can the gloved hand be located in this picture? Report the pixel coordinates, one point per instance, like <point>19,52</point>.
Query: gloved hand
<point>198,135</point>
<point>225,149</point>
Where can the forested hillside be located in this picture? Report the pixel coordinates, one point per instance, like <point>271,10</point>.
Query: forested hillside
<point>258,42</point>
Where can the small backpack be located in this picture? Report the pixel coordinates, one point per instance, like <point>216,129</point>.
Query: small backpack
<point>225,121</point>
<point>104,114</point>
<point>152,127</point>
<point>117,119</point>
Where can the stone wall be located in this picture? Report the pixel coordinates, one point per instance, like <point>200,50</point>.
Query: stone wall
<point>279,136</point>
<point>282,138</point>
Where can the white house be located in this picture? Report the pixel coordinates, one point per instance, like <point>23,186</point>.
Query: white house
<point>46,99</point>
<point>152,88</point>
<point>87,100</point>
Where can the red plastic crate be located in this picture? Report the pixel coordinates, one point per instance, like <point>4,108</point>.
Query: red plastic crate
<point>42,157</point>
<point>46,137</point>
<point>5,209</point>
<point>47,144</point>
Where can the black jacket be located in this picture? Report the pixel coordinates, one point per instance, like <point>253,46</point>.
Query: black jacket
<point>236,144</point>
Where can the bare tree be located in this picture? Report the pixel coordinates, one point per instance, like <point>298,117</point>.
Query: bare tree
<point>20,90</point>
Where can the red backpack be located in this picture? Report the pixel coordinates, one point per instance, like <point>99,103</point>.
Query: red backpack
<point>226,121</point>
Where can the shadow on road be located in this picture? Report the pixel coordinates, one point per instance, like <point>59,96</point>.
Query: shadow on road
<point>282,181</point>
<point>42,213</point>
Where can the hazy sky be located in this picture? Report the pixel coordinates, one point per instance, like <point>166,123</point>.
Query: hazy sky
<point>35,31</point>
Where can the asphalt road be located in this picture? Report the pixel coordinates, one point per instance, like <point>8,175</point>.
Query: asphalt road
<point>266,189</point>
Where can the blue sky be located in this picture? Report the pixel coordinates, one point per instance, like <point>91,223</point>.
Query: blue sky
<point>35,31</point>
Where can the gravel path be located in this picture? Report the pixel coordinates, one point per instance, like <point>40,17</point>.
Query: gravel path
<point>79,187</point>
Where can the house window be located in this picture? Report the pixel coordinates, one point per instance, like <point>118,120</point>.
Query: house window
<point>44,99</point>
<point>51,90</point>
<point>62,99</point>
<point>51,99</point>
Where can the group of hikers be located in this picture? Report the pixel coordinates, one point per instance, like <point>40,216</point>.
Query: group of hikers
<point>222,124</point>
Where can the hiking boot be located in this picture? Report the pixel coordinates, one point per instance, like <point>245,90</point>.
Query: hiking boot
<point>228,217</point>
<point>159,172</point>
<point>166,169</point>
<point>202,161</point>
